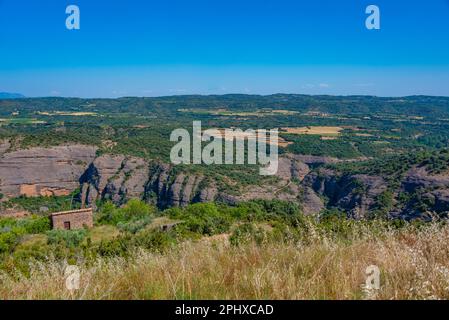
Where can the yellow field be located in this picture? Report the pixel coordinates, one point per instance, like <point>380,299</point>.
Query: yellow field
<point>316,130</point>
<point>327,138</point>
<point>63,113</point>
<point>281,142</point>
<point>226,112</point>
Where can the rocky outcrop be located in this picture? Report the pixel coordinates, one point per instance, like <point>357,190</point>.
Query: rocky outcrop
<point>354,194</point>
<point>291,167</point>
<point>313,160</point>
<point>118,178</point>
<point>168,188</point>
<point>43,171</point>
<point>4,146</point>
<point>311,203</point>
<point>290,174</point>
<point>438,200</point>
<point>418,177</point>
<point>114,177</point>
<point>61,170</point>
<point>301,179</point>
<point>429,195</point>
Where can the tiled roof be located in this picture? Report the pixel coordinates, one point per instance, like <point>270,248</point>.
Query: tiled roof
<point>72,212</point>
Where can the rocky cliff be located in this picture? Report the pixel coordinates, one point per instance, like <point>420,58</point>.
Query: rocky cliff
<point>43,171</point>
<point>301,179</point>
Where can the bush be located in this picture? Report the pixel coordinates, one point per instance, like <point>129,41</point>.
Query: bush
<point>155,240</point>
<point>134,226</point>
<point>10,238</point>
<point>246,233</point>
<point>36,224</point>
<point>136,208</point>
<point>116,247</point>
<point>203,219</point>
<point>109,214</point>
<point>69,238</point>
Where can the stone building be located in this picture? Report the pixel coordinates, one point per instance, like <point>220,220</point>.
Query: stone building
<point>72,220</point>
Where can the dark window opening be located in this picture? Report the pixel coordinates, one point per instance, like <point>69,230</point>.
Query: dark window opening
<point>67,225</point>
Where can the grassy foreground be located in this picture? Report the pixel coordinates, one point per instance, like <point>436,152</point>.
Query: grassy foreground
<point>414,264</point>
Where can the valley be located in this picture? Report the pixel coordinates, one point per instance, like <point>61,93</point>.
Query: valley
<point>346,164</point>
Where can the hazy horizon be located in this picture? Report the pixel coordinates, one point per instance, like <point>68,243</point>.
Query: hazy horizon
<point>199,47</point>
<point>221,94</point>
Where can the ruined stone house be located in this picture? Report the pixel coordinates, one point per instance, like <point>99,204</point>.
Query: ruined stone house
<point>72,220</point>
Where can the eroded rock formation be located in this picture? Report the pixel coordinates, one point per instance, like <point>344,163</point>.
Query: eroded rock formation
<point>43,171</point>
<point>301,179</point>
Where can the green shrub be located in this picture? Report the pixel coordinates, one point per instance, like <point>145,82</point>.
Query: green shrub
<point>110,214</point>
<point>115,247</point>
<point>155,240</point>
<point>246,233</point>
<point>8,240</point>
<point>36,224</point>
<point>136,208</point>
<point>134,226</point>
<point>69,238</point>
<point>10,237</point>
<point>53,203</point>
<point>204,219</point>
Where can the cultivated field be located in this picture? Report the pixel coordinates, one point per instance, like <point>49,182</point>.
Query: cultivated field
<point>226,112</point>
<point>314,130</point>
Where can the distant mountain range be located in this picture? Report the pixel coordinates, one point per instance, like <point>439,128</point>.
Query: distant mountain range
<point>8,95</point>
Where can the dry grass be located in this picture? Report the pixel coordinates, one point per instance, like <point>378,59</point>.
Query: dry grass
<point>237,135</point>
<point>226,112</point>
<point>414,265</point>
<point>64,113</point>
<point>315,130</point>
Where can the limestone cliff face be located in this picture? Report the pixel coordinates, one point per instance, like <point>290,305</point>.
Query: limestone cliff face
<point>355,194</point>
<point>290,174</point>
<point>61,170</point>
<point>114,177</point>
<point>4,146</point>
<point>119,178</point>
<point>419,178</point>
<point>168,188</point>
<point>43,171</point>
<point>430,194</point>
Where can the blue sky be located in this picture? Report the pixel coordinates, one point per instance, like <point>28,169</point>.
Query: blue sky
<point>152,48</point>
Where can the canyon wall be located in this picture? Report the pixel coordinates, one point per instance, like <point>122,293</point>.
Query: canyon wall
<point>64,169</point>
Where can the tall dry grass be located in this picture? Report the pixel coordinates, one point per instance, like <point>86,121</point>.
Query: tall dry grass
<point>414,264</point>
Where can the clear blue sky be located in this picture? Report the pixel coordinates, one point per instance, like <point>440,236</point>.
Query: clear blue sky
<point>151,48</point>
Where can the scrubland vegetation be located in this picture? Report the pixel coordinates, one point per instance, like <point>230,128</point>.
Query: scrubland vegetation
<point>253,250</point>
<point>256,250</point>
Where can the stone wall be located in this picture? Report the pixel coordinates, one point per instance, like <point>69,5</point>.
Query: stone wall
<point>77,219</point>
